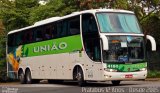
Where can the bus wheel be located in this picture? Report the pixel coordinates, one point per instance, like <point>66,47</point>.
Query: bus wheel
<point>21,77</point>
<point>28,77</point>
<point>80,77</point>
<point>116,82</point>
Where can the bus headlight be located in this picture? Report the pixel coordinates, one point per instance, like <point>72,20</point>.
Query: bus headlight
<point>110,70</point>
<point>143,69</point>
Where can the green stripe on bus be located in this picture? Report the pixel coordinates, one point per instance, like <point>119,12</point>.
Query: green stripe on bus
<point>54,46</point>
<point>127,67</point>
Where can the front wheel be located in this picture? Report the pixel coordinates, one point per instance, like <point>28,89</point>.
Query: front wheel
<point>80,77</point>
<point>116,82</point>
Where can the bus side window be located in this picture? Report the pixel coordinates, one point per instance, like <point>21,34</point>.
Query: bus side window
<point>74,25</point>
<point>48,32</point>
<point>18,37</point>
<point>28,36</point>
<point>39,36</point>
<point>59,28</point>
<point>11,40</point>
<point>24,37</point>
<point>62,28</point>
<point>54,30</point>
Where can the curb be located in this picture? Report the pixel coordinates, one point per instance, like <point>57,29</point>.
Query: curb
<point>152,79</point>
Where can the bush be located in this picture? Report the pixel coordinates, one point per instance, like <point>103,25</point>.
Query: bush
<point>153,74</point>
<point>3,75</point>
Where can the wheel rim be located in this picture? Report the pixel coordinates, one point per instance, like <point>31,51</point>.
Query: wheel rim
<point>79,76</point>
<point>21,77</point>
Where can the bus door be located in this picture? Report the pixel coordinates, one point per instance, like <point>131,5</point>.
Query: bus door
<point>91,42</point>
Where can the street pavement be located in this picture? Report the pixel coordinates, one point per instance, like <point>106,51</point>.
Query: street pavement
<point>92,87</point>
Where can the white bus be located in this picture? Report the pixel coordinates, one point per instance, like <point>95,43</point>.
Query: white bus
<point>90,45</point>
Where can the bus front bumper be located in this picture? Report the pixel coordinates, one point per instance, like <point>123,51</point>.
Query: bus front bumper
<point>125,75</point>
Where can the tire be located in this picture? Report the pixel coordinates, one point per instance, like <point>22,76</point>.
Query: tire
<point>21,77</point>
<point>28,77</point>
<point>80,77</point>
<point>116,82</point>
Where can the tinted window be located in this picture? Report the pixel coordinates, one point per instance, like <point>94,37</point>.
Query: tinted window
<point>29,36</point>
<point>74,25</point>
<point>59,29</point>
<point>39,34</point>
<point>66,27</point>
<point>18,38</point>
<point>11,40</point>
<point>91,39</point>
<point>49,31</point>
<point>89,24</point>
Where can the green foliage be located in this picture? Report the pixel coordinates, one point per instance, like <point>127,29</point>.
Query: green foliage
<point>139,12</point>
<point>2,51</point>
<point>15,15</point>
<point>2,43</point>
<point>46,11</point>
<point>26,4</point>
<point>121,4</point>
<point>151,26</point>
<point>153,74</point>
<point>2,47</point>
<point>51,9</point>
<point>155,3</point>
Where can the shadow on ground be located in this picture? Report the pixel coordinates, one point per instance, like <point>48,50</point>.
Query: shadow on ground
<point>90,84</point>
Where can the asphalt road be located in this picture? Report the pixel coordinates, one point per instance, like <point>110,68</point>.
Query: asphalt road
<point>72,87</point>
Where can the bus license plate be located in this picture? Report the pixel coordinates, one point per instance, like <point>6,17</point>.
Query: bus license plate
<point>129,76</point>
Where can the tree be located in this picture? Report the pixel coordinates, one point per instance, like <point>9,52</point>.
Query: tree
<point>2,40</point>
<point>1,28</point>
<point>2,51</point>
<point>15,14</point>
<point>53,8</point>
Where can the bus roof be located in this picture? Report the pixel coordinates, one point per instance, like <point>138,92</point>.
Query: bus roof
<point>52,19</point>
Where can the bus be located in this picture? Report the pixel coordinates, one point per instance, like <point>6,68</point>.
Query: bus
<point>91,45</point>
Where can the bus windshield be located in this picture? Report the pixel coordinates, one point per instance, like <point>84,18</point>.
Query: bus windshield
<point>124,49</point>
<point>118,23</point>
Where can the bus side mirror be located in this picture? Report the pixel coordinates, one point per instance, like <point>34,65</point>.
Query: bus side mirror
<point>105,42</point>
<point>153,42</point>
